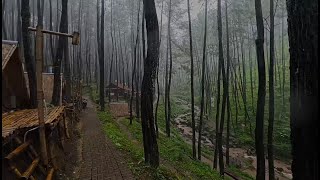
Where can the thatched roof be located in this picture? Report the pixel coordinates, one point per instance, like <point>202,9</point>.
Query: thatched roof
<point>7,51</point>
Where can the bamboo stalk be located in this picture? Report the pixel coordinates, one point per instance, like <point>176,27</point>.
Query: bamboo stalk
<point>39,68</point>
<point>18,150</point>
<point>50,174</point>
<point>30,169</point>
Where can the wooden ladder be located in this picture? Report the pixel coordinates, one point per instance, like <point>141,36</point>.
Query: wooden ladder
<point>35,161</point>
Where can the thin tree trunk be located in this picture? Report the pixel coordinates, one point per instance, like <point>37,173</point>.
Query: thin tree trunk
<point>194,155</point>
<point>57,63</point>
<point>271,96</point>
<point>167,103</point>
<point>225,90</point>
<point>202,81</point>
<point>134,66</point>
<point>259,131</point>
<point>227,84</point>
<point>101,58</point>
<point>29,60</point>
<point>158,86</point>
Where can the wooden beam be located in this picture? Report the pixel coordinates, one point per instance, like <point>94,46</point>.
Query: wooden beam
<point>50,174</point>
<point>18,150</point>
<point>30,169</point>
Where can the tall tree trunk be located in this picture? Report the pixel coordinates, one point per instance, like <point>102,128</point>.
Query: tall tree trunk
<point>261,94</point>
<point>57,63</point>
<point>101,58</point>
<point>167,76</point>
<point>67,70</point>
<point>202,80</point>
<point>215,158</point>
<point>271,96</point>
<point>4,29</point>
<point>134,66</point>
<point>29,60</point>
<point>19,37</point>
<point>147,90</point>
<point>194,155</point>
<point>283,60</point>
<point>225,90</point>
<point>304,87</point>
<point>227,84</point>
<point>158,85</point>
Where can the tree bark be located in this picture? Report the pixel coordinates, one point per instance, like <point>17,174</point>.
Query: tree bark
<point>194,155</point>
<point>271,96</point>
<point>57,63</point>
<point>101,58</point>
<point>147,90</point>
<point>158,85</point>
<point>304,87</point>
<point>29,60</point>
<point>202,80</point>
<point>259,131</point>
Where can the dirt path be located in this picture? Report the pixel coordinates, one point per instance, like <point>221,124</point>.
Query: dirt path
<point>101,159</point>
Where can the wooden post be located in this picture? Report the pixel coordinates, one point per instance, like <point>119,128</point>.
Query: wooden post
<point>40,96</point>
<point>39,68</point>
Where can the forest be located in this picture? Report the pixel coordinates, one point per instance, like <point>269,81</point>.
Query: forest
<point>214,89</point>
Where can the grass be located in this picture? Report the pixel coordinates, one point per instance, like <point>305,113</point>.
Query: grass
<point>176,164</point>
<point>175,160</point>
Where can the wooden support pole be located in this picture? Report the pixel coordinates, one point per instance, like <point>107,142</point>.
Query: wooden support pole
<point>30,169</point>
<point>50,174</point>
<point>39,69</point>
<point>18,150</point>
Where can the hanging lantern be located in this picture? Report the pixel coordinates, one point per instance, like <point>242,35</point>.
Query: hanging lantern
<point>75,38</point>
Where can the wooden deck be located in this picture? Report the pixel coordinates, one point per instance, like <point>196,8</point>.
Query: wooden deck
<point>28,118</point>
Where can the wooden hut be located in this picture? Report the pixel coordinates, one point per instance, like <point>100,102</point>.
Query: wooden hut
<point>14,90</point>
<point>48,81</point>
<point>118,89</point>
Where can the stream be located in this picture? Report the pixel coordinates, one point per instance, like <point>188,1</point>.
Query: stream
<point>238,156</point>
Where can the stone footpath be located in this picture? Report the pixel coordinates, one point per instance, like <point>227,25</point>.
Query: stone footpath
<point>101,159</point>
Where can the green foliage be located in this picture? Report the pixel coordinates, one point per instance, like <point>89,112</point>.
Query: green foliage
<point>174,152</point>
<point>239,173</point>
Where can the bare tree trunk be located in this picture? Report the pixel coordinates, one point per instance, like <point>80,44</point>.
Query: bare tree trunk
<point>167,78</point>
<point>4,29</point>
<point>101,58</point>
<point>304,87</point>
<point>134,66</point>
<point>202,81</point>
<point>147,90</point>
<point>227,83</point>
<point>271,96</point>
<point>57,63</point>
<point>261,94</point>
<point>158,86</point>
<point>194,155</point>
<point>225,90</point>
<point>29,60</point>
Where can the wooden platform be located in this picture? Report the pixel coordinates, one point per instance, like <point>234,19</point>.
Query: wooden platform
<point>28,118</point>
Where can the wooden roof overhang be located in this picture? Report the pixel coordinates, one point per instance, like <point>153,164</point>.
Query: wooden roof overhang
<point>14,123</point>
